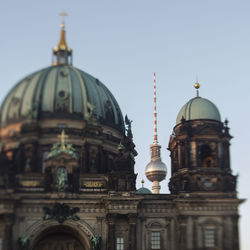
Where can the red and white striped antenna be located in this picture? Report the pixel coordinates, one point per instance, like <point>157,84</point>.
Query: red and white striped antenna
<point>155,114</point>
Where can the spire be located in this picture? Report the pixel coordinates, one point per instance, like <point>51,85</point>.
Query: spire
<point>155,148</point>
<point>155,114</point>
<point>62,52</point>
<point>156,170</point>
<point>197,86</point>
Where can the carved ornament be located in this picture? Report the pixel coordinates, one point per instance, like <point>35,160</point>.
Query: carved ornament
<point>61,212</point>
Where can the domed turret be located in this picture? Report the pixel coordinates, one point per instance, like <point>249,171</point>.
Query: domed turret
<point>198,108</point>
<point>199,149</point>
<point>156,170</point>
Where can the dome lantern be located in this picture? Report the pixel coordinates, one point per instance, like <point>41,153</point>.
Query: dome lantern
<point>62,53</point>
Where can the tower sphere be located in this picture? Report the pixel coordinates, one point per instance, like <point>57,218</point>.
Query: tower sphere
<point>156,170</point>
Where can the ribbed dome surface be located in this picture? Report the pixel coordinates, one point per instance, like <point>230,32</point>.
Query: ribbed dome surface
<point>61,91</point>
<point>198,108</point>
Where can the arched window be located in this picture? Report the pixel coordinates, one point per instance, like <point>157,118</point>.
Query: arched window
<point>157,233</point>
<point>206,156</point>
<point>212,233</point>
<point>59,240</point>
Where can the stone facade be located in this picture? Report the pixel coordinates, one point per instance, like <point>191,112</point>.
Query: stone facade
<point>67,179</point>
<point>181,220</point>
<point>105,204</point>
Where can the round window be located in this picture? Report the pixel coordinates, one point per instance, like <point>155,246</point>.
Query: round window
<point>62,94</point>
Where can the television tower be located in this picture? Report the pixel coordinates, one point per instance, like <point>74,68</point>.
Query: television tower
<point>156,170</point>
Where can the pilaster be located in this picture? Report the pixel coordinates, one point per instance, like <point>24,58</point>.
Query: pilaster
<point>111,231</point>
<point>132,231</point>
<point>235,232</point>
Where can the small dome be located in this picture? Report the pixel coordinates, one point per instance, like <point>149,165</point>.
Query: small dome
<point>143,190</point>
<point>61,91</point>
<point>198,108</point>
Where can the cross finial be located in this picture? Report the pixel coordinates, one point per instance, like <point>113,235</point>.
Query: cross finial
<point>63,14</point>
<point>62,137</point>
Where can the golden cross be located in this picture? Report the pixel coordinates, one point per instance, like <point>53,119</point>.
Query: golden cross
<point>63,14</point>
<point>62,137</point>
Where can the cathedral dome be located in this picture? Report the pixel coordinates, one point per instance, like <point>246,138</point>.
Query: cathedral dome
<point>61,114</point>
<point>198,108</point>
<point>61,91</point>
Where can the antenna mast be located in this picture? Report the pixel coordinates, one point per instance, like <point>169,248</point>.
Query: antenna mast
<point>156,170</point>
<point>155,113</point>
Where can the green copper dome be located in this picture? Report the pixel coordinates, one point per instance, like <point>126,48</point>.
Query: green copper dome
<point>61,91</point>
<point>143,190</point>
<point>198,108</point>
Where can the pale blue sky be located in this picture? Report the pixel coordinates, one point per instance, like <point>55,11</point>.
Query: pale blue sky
<point>123,42</point>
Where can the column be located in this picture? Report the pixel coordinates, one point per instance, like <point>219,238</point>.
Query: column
<point>195,235</point>
<point>183,232</point>
<point>193,154</point>
<point>132,231</point>
<point>7,222</point>
<point>167,234</point>
<point>173,237</point>
<point>235,232</point>
<point>225,233</point>
<point>111,231</point>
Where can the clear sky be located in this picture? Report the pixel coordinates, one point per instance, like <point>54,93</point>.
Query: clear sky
<point>123,42</point>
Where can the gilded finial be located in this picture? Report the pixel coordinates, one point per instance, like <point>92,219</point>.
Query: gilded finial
<point>62,53</point>
<point>197,86</point>
<point>62,45</point>
<point>142,183</point>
